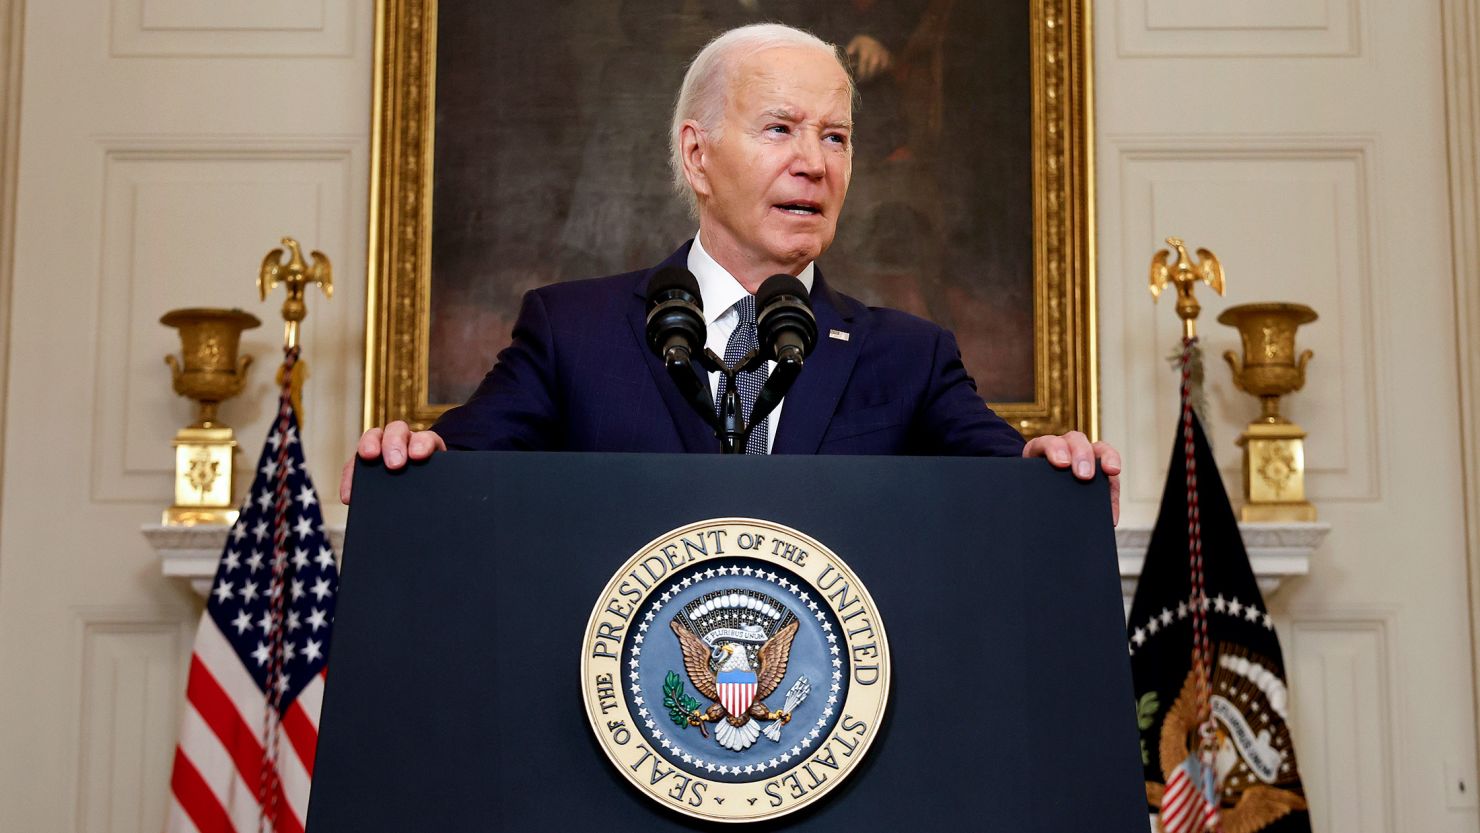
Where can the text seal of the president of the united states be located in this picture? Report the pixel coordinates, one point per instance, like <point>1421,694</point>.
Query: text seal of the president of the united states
<point>735,670</point>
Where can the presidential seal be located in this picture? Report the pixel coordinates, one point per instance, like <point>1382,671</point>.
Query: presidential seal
<point>735,670</point>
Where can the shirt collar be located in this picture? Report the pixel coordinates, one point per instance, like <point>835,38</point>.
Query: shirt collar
<point>718,288</point>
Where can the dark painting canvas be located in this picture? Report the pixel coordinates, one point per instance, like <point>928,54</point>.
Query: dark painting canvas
<point>551,163</point>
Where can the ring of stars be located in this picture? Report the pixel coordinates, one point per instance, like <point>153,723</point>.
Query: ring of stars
<point>1252,613</point>
<point>799,594</point>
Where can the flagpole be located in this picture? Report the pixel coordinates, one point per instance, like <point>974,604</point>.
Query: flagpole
<point>262,646</point>
<point>295,275</point>
<point>272,715</point>
<point>1185,275</point>
<point>1212,707</point>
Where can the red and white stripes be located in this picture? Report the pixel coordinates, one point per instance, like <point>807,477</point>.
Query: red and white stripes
<point>217,775</point>
<point>1186,806</point>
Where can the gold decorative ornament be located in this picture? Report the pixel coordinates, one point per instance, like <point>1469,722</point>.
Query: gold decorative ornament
<point>1274,447</point>
<point>209,371</point>
<point>296,275</point>
<point>1185,275</point>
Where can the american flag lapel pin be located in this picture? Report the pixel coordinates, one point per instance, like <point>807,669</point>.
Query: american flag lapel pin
<point>837,334</point>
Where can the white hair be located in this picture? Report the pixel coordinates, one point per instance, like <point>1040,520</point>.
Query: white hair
<point>706,85</point>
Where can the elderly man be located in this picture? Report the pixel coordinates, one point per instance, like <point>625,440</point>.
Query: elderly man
<point>762,147</point>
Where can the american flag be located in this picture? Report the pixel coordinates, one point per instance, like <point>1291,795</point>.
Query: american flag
<point>246,751</point>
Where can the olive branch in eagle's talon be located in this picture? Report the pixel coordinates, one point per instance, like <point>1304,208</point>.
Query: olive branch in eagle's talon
<point>683,710</point>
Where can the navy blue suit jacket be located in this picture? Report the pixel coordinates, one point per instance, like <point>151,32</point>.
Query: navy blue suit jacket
<point>580,377</point>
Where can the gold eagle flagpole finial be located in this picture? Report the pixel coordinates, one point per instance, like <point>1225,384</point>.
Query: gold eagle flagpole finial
<point>1185,275</point>
<point>296,274</point>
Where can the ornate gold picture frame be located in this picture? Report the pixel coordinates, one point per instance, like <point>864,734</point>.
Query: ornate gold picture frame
<point>1059,387</point>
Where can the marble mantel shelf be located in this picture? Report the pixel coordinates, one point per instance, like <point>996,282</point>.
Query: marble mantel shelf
<point>191,552</point>
<point>1277,551</point>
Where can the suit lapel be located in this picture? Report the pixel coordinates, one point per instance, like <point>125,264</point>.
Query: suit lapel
<point>692,432</point>
<point>813,398</point>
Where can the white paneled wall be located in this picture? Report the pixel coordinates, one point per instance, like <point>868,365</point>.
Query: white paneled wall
<point>238,28</point>
<point>1303,142</point>
<point>165,147</point>
<point>131,678</point>
<point>1462,82</point>
<point>1298,211</point>
<point>1250,28</point>
<point>231,201</point>
<point>1341,680</point>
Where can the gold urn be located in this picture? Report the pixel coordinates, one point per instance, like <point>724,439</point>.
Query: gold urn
<point>209,371</point>
<point>1274,447</point>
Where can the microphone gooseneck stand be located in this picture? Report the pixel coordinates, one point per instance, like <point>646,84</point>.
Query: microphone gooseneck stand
<point>675,330</point>
<point>730,424</point>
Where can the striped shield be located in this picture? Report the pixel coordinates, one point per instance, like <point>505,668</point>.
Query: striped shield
<point>736,691</point>
<point>1190,803</point>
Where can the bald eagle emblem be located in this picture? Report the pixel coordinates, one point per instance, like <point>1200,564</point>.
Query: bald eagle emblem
<point>1253,769</point>
<point>736,645</point>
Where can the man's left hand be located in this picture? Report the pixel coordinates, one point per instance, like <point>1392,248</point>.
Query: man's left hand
<point>1074,450</point>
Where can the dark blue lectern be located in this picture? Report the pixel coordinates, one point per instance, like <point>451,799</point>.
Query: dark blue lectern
<point>454,691</point>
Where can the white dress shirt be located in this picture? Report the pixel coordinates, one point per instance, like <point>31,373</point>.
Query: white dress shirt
<point>720,291</point>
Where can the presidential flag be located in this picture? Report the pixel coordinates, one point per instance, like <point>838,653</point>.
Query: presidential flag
<point>246,751</point>
<point>1213,706</point>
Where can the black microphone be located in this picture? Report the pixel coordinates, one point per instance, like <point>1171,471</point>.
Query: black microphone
<point>785,323</point>
<point>675,320</point>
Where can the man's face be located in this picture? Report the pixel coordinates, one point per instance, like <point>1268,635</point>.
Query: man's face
<point>779,170</point>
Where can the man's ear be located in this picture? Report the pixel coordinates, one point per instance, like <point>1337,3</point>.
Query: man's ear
<point>693,146</point>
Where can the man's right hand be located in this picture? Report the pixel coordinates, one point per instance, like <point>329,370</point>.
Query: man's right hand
<point>394,444</point>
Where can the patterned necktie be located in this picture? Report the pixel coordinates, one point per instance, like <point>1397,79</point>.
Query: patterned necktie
<point>743,340</point>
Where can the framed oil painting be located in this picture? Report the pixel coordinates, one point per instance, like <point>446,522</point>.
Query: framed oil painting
<point>521,144</point>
